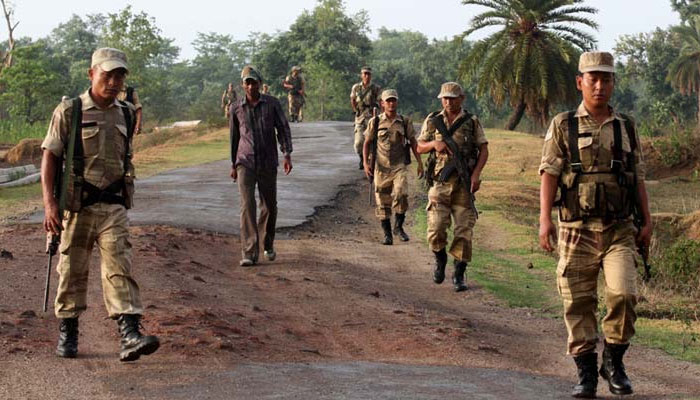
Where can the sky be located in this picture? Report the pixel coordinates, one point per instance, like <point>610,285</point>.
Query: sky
<point>438,19</point>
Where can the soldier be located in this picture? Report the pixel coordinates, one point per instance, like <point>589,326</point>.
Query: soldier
<point>128,94</point>
<point>394,135</point>
<point>364,96</point>
<point>257,123</point>
<point>100,190</point>
<point>227,98</point>
<point>294,83</point>
<point>593,155</point>
<point>265,89</point>
<point>458,152</point>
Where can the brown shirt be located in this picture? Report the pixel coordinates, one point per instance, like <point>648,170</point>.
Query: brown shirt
<point>392,137</point>
<point>253,137</point>
<point>104,139</point>
<point>595,145</point>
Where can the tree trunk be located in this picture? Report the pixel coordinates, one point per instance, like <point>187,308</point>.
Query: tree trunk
<point>10,30</point>
<point>516,116</point>
<point>696,134</point>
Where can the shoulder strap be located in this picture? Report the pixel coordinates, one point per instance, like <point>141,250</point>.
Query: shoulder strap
<point>130,94</point>
<point>442,128</point>
<point>617,146</point>
<point>75,133</point>
<point>129,133</point>
<point>629,127</point>
<point>572,121</point>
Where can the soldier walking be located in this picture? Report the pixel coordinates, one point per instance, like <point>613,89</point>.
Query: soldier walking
<point>227,98</point>
<point>458,153</point>
<point>254,119</point>
<point>97,129</point>
<point>130,95</point>
<point>364,96</point>
<point>592,154</point>
<point>294,83</point>
<point>394,139</point>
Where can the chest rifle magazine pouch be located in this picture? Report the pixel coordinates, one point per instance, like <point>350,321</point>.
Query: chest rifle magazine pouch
<point>74,193</point>
<point>587,196</point>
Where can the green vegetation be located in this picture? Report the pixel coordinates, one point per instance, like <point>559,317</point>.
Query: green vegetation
<point>530,62</point>
<point>12,130</point>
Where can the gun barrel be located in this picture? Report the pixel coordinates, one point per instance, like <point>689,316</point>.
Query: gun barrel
<point>48,281</point>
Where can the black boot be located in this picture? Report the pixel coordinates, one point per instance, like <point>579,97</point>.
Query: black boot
<point>67,338</point>
<point>386,226</point>
<point>440,264</point>
<point>613,370</point>
<point>133,343</point>
<point>398,227</point>
<point>587,365</point>
<point>459,276</point>
<point>362,162</point>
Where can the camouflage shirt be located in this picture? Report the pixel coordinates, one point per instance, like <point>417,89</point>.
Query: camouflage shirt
<point>392,135</point>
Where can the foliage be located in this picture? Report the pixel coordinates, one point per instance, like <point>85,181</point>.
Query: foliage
<point>686,8</point>
<point>531,60</point>
<point>679,267</point>
<point>684,72</point>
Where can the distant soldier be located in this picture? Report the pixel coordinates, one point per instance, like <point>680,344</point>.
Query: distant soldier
<point>100,190</point>
<point>265,89</point>
<point>395,140</point>
<point>294,83</point>
<point>227,98</point>
<point>364,96</point>
<point>129,94</point>
<point>593,155</point>
<point>458,152</point>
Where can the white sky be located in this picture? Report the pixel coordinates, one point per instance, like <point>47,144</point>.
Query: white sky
<point>181,20</point>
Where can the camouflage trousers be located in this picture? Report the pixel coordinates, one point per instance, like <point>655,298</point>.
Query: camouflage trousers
<point>390,192</point>
<point>446,202</point>
<point>296,107</point>
<point>360,128</point>
<point>582,254</point>
<point>107,226</point>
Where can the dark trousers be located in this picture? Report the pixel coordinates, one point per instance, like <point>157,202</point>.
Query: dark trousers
<point>252,231</point>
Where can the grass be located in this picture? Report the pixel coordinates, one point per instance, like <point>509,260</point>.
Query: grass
<point>12,131</point>
<point>506,242</point>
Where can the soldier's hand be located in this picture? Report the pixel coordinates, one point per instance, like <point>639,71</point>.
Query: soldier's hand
<point>441,147</point>
<point>547,231</point>
<point>287,164</point>
<point>368,171</point>
<point>644,235</point>
<point>475,184</point>
<point>52,221</point>
<point>420,172</point>
<point>234,174</point>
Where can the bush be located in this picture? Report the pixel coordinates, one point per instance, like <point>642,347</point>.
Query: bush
<point>676,149</point>
<point>678,267</point>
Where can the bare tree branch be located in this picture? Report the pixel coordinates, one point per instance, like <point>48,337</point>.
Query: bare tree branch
<point>8,12</point>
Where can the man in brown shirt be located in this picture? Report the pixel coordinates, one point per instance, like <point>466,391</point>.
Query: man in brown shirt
<point>254,119</point>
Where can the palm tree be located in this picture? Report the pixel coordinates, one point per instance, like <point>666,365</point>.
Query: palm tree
<point>532,60</point>
<point>684,71</point>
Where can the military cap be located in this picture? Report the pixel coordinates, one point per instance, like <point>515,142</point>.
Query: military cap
<point>249,72</point>
<point>389,94</point>
<point>450,89</point>
<point>596,61</point>
<point>108,59</point>
<point>366,69</point>
<point>296,68</point>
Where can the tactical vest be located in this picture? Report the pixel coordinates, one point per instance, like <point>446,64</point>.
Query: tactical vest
<point>468,151</point>
<point>81,193</point>
<point>366,98</point>
<point>296,83</point>
<point>607,193</point>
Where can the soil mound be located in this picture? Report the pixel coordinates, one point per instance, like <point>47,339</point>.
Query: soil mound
<point>26,151</point>
<point>688,160</point>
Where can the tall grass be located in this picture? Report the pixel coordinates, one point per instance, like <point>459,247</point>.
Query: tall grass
<point>12,130</point>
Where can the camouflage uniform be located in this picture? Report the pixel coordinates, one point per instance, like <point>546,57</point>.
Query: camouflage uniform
<point>586,246</point>
<point>390,171</point>
<point>451,199</point>
<point>295,99</point>
<point>227,98</point>
<point>103,224</point>
<point>122,96</point>
<point>366,99</point>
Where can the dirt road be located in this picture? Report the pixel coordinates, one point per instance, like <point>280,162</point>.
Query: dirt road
<point>336,316</point>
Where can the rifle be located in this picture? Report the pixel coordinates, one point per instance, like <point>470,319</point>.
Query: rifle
<point>373,153</point>
<point>638,220</point>
<point>60,188</point>
<point>458,161</point>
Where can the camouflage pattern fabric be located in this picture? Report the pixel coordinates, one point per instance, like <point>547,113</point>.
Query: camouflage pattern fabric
<point>446,202</point>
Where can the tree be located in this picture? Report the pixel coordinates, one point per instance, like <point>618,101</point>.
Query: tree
<point>686,8</point>
<point>8,12</point>
<point>31,88</point>
<point>532,60</point>
<point>684,72</point>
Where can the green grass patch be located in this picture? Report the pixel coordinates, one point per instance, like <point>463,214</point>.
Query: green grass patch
<point>19,199</point>
<point>12,131</point>
<point>681,339</point>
